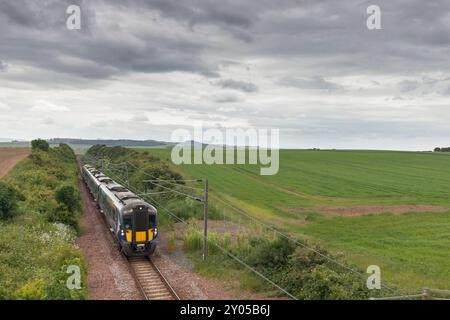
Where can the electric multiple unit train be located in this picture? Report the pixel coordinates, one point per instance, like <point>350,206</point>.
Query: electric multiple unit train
<point>132,220</point>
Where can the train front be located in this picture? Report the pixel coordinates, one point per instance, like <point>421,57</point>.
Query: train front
<point>138,232</point>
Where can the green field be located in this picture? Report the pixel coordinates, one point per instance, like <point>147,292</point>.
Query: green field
<point>412,248</point>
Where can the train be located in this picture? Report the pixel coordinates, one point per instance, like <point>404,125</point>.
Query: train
<point>132,220</point>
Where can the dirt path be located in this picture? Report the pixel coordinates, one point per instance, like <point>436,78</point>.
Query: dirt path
<point>109,277</point>
<point>9,157</point>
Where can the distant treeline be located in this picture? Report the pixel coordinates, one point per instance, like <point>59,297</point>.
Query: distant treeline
<point>112,143</point>
<point>437,149</point>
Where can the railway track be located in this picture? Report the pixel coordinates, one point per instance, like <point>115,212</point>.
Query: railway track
<point>150,280</point>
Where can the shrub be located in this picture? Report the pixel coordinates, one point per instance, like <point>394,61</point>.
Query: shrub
<point>193,240</point>
<point>303,272</point>
<point>8,201</point>
<point>4,293</point>
<point>32,290</point>
<point>40,144</point>
<point>270,254</point>
<point>63,215</point>
<point>68,197</point>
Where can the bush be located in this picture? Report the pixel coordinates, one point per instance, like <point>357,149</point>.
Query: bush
<point>193,240</point>
<point>63,215</point>
<point>40,144</point>
<point>270,254</point>
<point>303,272</point>
<point>8,201</point>
<point>32,290</point>
<point>68,197</point>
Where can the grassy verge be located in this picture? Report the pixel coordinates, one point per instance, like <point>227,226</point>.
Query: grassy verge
<point>37,242</point>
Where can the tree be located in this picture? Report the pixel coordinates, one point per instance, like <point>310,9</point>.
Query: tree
<point>40,144</point>
<point>8,201</point>
<point>437,149</point>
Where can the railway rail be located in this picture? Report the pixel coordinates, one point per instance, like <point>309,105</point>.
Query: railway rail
<point>153,285</point>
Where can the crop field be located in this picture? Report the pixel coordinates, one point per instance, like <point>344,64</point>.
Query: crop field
<point>390,209</point>
<point>9,157</point>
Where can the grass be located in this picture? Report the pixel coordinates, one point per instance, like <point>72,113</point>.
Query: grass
<point>411,248</point>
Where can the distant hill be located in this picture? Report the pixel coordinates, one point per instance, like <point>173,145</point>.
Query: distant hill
<point>108,142</point>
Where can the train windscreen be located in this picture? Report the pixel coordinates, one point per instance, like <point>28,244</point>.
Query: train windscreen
<point>141,219</point>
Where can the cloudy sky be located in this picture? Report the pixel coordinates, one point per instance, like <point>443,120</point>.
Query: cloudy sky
<point>141,69</point>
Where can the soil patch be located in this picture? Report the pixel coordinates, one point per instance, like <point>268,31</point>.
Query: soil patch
<point>366,210</point>
<point>9,157</point>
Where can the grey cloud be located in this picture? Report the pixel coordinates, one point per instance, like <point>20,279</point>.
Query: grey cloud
<point>237,85</point>
<point>234,17</point>
<point>426,85</point>
<point>37,36</point>
<point>3,66</point>
<point>408,85</point>
<point>42,15</point>
<point>314,83</point>
<point>226,98</point>
<point>320,36</point>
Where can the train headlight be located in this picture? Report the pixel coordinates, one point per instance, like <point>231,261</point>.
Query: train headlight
<point>155,231</point>
<point>122,233</point>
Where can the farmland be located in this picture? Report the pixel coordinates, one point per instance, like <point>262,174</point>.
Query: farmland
<point>376,207</point>
<point>9,157</point>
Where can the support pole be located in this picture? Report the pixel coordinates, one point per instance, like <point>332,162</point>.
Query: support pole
<point>205,228</point>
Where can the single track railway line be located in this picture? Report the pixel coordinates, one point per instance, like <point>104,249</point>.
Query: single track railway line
<point>153,284</point>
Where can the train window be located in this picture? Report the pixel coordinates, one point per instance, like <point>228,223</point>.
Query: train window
<point>127,222</point>
<point>152,221</point>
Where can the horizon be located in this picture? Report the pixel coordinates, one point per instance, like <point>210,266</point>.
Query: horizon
<point>166,143</point>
